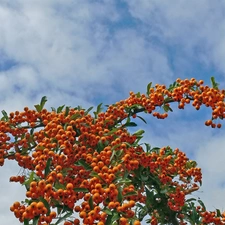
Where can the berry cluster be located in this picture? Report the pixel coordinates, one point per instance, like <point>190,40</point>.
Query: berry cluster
<point>94,171</point>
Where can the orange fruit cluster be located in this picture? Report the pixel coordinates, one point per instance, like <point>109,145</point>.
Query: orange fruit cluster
<point>91,165</point>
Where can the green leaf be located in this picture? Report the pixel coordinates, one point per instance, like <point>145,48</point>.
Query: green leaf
<point>63,218</point>
<point>156,149</point>
<point>47,168</point>
<point>130,124</point>
<point>141,211</point>
<point>99,109</point>
<point>45,136</point>
<point>35,220</point>
<point>139,132</point>
<point>214,84</point>
<point>148,147</point>
<point>138,205</point>
<point>38,108</point>
<point>88,110</point>
<point>53,109</point>
<point>113,153</point>
<point>65,126</point>
<point>218,213</point>
<point>78,132</point>
<point>100,146</point>
<point>107,211</point>
<point>133,107</point>
<point>148,88</point>
<point>60,108</point>
<point>174,85</point>
<point>202,204</point>
<point>190,200</point>
<point>75,116</point>
<point>128,120</point>
<point>122,180</point>
<point>115,217</point>
<point>130,193</point>
<point>59,208</point>
<point>194,214</point>
<point>120,195</point>
<point>67,111</point>
<point>167,108</point>
<point>118,153</point>
<point>191,164</point>
<point>31,133</point>
<point>26,222</point>
<point>167,100</point>
<point>150,197</point>
<point>144,177</point>
<point>27,182</point>
<point>11,153</point>
<point>81,190</point>
<point>90,201</point>
<point>66,209</point>
<point>164,191</point>
<point>59,185</point>
<point>28,201</point>
<point>138,94</point>
<point>43,101</point>
<point>86,166</point>
<point>108,220</point>
<point>137,140</point>
<point>4,113</point>
<point>79,107</point>
<point>142,119</point>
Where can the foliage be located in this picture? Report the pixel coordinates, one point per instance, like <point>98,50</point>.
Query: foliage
<point>83,167</point>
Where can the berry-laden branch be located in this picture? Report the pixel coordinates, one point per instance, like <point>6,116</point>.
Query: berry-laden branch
<point>88,168</point>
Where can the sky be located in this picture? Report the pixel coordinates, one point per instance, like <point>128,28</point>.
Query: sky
<point>84,52</point>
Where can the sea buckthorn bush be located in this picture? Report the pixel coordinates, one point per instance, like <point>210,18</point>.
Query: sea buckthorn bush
<point>84,167</point>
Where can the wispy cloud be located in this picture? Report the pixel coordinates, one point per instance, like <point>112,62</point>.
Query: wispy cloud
<point>194,29</point>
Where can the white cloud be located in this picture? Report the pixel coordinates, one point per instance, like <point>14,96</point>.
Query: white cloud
<point>70,47</point>
<point>9,192</point>
<point>196,28</point>
<point>210,157</point>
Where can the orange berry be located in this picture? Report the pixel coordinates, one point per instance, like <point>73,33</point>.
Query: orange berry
<point>100,223</point>
<point>77,208</point>
<point>69,186</point>
<point>33,184</point>
<point>76,222</point>
<point>12,208</point>
<point>208,122</point>
<point>111,205</point>
<point>40,205</point>
<point>52,214</point>
<point>82,214</point>
<point>137,222</point>
<point>16,205</point>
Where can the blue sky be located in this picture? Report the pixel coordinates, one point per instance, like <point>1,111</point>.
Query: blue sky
<point>83,52</point>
